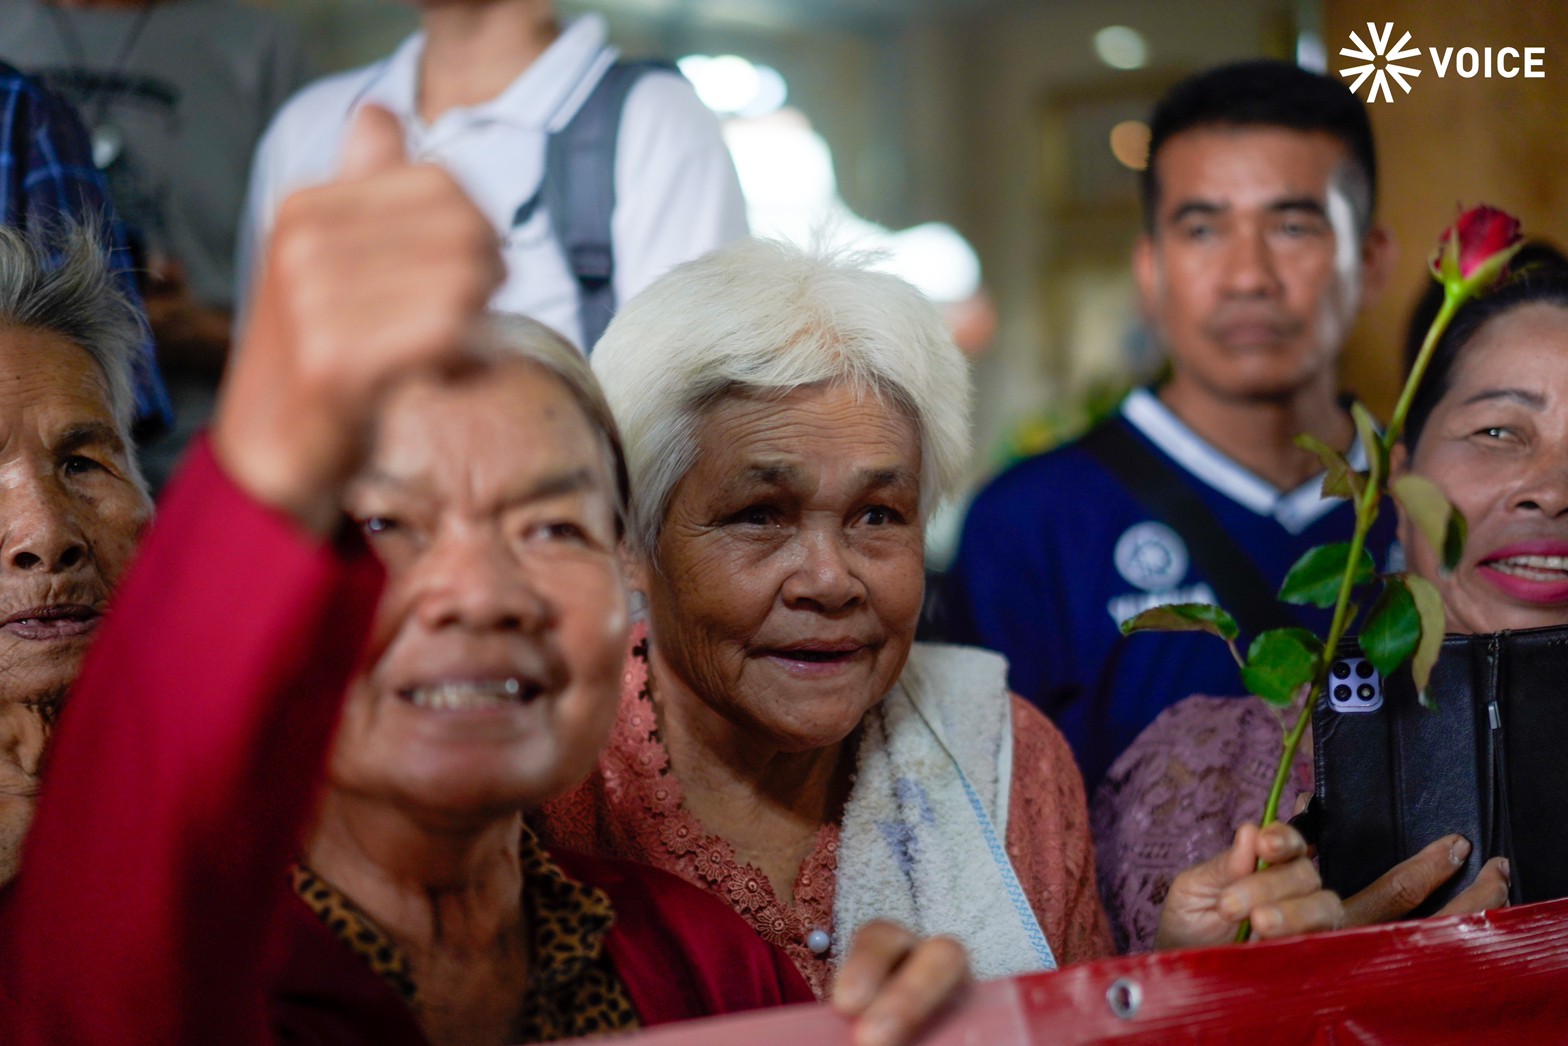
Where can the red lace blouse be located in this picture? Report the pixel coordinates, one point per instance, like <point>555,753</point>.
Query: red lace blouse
<point>631,807</point>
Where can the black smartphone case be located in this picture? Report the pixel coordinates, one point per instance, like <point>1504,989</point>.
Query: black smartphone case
<point>1488,759</point>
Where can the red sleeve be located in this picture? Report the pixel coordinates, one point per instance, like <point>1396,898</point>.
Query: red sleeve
<point>184,768</point>
<point>681,952</point>
<point>1048,840</point>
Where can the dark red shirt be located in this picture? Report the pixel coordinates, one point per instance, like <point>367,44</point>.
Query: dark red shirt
<point>153,901</point>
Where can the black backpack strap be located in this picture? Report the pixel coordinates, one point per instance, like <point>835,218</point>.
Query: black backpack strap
<point>1166,492</point>
<point>579,192</point>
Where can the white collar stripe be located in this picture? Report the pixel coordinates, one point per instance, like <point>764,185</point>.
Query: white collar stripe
<point>1295,510</point>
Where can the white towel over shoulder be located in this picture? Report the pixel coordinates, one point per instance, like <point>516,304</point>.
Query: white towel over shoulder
<point>926,822</point>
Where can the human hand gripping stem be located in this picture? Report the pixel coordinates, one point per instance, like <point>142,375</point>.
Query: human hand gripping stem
<point>1406,619</point>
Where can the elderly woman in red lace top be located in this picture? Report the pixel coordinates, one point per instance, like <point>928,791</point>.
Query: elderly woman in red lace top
<point>790,421</point>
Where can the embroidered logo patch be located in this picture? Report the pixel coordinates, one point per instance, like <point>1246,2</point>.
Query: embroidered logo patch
<point>1151,556</point>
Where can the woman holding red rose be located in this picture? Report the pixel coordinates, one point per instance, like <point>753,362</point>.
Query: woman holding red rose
<point>1489,424</point>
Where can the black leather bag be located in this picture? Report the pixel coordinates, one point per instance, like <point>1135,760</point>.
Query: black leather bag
<point>1489,760</point>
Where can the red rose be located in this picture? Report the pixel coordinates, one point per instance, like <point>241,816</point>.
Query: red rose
<point>1471,258</point>
<point>1484,231</point>
<point>1483,238</point>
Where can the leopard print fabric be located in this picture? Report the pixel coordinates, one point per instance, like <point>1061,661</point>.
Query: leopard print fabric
<point>354,928</point>
<point>574,990</point>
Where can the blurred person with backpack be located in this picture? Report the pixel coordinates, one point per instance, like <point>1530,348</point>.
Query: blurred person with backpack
<point>597,174</point>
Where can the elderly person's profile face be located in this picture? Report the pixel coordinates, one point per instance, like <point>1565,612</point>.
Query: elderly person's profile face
<point>70,510</point>
<point>496,654</point>
<point>788,573</point>
<point>1497,443</point>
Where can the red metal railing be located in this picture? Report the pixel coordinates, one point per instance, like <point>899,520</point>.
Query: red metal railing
<point>1497,977</point>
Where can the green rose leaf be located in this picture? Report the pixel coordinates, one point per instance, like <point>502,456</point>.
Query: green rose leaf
<point>1425,505</point>
<point>1393,627</point>
<point>1377,454</point>
<point>1325,453</point>
<point>1280,661</point>
<point>1429,605</point>
<point>1183,617</point>
<point>1454,540</point>
<point>1339,479</point>
<point>1348,484</point>
<point>1314,580</point>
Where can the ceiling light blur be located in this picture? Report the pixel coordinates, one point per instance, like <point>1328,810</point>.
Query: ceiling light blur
<point>772,93</point>
<point>1121,47</point>
<point>1310,53</point>
<point>730,85</point>
<point>1130,144</point>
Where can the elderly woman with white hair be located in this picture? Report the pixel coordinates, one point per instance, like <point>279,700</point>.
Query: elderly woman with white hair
<point>790,422</point>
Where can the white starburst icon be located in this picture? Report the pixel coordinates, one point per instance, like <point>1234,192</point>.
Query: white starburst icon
<point>1380,74</point>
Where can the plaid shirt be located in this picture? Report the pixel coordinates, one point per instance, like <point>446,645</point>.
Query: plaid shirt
<point>47,173</point>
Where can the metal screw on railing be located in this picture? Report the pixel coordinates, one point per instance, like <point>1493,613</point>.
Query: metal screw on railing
<point>1125,997</point>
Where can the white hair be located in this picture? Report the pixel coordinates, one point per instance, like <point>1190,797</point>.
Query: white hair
<point>769,317</point>
<point>60,282</point>
<point>510,335</point>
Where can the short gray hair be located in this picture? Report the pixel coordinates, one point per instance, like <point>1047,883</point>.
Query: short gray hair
<point>508,335</point>
<point>60,282</point>
<point>769,317</point>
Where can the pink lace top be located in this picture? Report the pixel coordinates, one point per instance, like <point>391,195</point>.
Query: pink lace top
<point>1175,798</point>
<point>631,807</point>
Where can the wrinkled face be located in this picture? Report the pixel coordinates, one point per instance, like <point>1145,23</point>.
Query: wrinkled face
<point>789,569</point>
<point>1497,444</point>
<point>70,513</point>
<point>498,645</point>
<point>1252,273</point>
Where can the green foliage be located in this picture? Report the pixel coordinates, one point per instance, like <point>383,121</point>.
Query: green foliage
<point>1339,480</point>
<point>1315,579</point>
<point>1377,453</point>
<point>1440,523</point>
<point>1433,623</point>
<point>1393,627</point>
<point>1425,505</point>
<point>1454,541</point>
<point>1407,619</point>
<point>1183,617</point>
<point>1280,662</point>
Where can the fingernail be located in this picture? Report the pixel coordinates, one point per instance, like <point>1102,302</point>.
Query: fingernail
<point>1231,906</point>
<point>1459,851</point>
<point>1503,866</point>
<point>1265,920</point>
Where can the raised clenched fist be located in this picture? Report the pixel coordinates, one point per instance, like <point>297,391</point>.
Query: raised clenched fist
<point>369,279</point>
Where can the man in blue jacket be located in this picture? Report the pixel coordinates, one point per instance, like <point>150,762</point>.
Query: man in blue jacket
<point>1258,252</point>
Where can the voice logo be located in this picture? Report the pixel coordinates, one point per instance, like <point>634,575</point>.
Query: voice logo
<point>1382,63</point>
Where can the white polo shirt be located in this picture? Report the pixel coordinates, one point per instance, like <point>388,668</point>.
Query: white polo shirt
<point>677,195</point>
